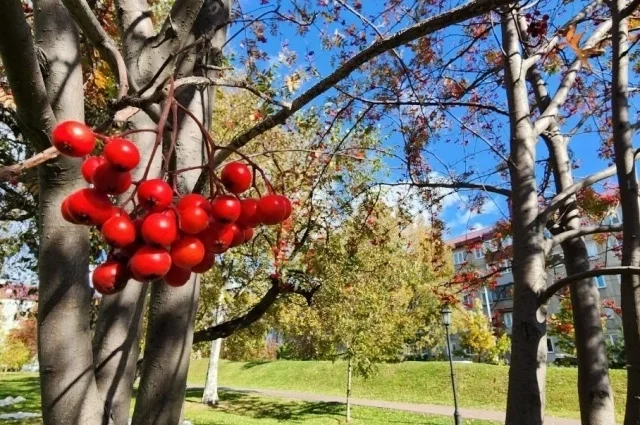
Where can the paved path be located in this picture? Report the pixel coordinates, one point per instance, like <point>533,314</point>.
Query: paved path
<point>433,409</point>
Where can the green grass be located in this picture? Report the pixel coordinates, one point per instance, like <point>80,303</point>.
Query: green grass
<point>240,409</point>
<point>479,386</point>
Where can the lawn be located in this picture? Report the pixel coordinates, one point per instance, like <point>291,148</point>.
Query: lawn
<point>479,386</point>
<point>241,409</point>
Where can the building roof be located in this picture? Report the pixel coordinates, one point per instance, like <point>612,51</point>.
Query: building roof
<point>471,236</point>
<point>18,291</point>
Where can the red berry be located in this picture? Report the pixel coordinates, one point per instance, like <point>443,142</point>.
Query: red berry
<point>89,167</point>
<point>64,210</point>
<point>73,138</point>
<point>249,213</point>
<point>187,252</point>
<point>88,206</point>
<point>236,177</point>
<point>160,229</point>
<point>155,195</point>
<point>206,264</point>
<point>238,235</point>
<point>119,231</point>
<point>150,262</point>
<point>122,154</point>
<point>194,200</point>
<point>110,277</point>
<point>177,276</point>
<point>217,238</point>
<point>248,234</point>
<point>225,209</point>
<point>287,204</point>
<point>107,179</point>
<point>273,209</point>
<point>193,220</point>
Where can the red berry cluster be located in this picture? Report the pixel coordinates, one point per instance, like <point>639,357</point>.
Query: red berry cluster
<point>537,27</point>
<point>157,238</point>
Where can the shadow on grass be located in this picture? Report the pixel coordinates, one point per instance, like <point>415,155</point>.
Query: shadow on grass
<point>14,385</point>
<point>245,404</point>
<point>250,365</point>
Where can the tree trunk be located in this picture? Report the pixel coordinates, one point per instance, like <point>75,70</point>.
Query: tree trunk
<point>625,163</point>
<point>210,394</point>
<point>68,388</point>
<point>594,386</point>
<point>117,336</point>
<point>526,394</point>
<point>349,374</point>
<point>167,353</point>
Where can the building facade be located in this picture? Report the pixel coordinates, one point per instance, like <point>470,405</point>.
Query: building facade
<point>16,300</point>
<point>479,250</point>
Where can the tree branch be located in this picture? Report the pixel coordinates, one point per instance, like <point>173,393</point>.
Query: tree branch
<point>456,185</point>
<point>88,23</point>
<point>17,51</point>
<point>583,231</point>
<point>14,171</point>
<point>559,199</point>
<point>428,26</point>
<point>179,24</point>
<point>551,111</point>
<point>227,328</point>
<point>607,271</point>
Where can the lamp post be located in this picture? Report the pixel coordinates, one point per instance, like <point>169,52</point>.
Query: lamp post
<point>446,321</point>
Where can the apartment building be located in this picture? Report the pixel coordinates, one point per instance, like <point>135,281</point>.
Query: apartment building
<point>479,250</point>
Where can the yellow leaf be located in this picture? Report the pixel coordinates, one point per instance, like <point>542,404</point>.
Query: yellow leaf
<point>101,81</point>
<point>293,82</point>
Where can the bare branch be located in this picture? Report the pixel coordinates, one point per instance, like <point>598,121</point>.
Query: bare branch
<point>428,26</point>
<point>88,23</point>
<point>455,186</point>
<point>607,271</point>
<point>17,51</point>
<point>583,231</point>
<point>569,78</point>
<point>13,171</point>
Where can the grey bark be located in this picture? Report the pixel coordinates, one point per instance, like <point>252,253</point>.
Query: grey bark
<point>210,394</point>
<point>172,310</point>
<point>119,323</point>
<point>526,393</point>
<point>68,388</point>
<point>594,386</point>
<point>625,163</point>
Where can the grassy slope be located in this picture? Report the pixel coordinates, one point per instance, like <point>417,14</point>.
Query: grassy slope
<point>480,386</point>
<point>239,409</point>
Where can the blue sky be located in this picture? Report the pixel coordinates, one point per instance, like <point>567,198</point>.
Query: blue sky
<point>455,212</point>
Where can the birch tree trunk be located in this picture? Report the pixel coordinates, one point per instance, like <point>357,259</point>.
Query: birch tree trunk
<point>210,394</point>
<point>625,163</point>
<point>526,395</point>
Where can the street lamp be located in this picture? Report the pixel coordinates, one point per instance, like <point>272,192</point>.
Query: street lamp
<point>446,321</point>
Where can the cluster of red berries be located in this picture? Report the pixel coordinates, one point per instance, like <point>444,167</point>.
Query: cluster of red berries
<point>537,27</point>
<point>158,239</point>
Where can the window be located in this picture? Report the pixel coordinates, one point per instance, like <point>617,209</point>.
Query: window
<point>478,253</point>
<point>600,282</point>
<point>508,320</point>
<point>550,348</point>
<point>614,218</point>
<point>458,257</point>
<point>592,249</point>
<point>508,241</point>
<point>490,246</point>
<point>507,264</point>
<point>468,299</point>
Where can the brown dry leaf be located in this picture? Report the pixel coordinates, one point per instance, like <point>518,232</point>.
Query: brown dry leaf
<point>573,40</point>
